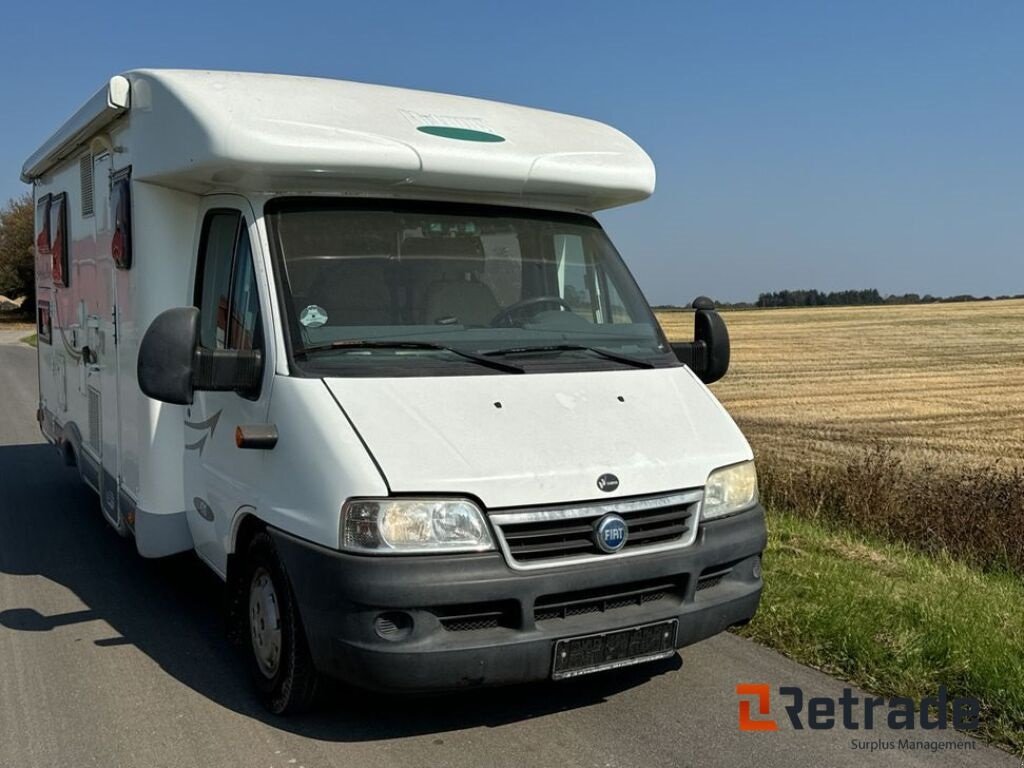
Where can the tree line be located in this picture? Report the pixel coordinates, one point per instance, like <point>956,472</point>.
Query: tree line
<point>17,260</point>
<point>854,298</point>
<point>812,297</point>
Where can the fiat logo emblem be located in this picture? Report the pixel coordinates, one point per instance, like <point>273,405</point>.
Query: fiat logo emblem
<point>610,533</point>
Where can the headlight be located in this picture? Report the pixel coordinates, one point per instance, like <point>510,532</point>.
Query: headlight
<point>409,526</point>
<point>730,489</point>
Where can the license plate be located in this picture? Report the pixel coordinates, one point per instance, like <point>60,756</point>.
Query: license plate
<point>577,656</point>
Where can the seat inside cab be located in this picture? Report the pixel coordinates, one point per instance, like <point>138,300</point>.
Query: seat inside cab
<point>370,280</point>
<point>444,281</point>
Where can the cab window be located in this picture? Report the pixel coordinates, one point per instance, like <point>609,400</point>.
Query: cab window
<point>226,295</point>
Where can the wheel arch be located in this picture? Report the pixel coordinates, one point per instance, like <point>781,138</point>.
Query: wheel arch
<point>71,445</point>
<point>245,525</point>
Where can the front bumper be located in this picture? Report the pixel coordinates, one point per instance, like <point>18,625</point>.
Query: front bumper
<point>456,621</point>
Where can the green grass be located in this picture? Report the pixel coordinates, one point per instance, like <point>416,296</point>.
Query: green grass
<point>894,620</point>
<point>31,340</point>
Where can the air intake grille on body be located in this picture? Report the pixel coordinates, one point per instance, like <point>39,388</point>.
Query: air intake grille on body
<point>710,582</point>
<point>85,164</point>
<point>712,577</point>
<point>471,617</point>
<point>94,419</point>
<point>605,599</point>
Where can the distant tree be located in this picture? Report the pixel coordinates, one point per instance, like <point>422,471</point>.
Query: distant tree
<point>906,298</point>
<point>17,262</point>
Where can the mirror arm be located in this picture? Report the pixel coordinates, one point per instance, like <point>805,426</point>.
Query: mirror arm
<point>227,370</point>
<point>692,354</point>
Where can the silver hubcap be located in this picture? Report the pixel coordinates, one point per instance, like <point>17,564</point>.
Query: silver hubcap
<point>265,622</point>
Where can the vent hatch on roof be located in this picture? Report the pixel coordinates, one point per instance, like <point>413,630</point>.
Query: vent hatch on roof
<point>87,186</point>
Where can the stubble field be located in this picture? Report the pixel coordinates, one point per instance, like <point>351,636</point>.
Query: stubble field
<point>940,383</point>
<point>904,420</point>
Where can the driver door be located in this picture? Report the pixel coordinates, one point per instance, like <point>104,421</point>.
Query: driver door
<point>230,293</point>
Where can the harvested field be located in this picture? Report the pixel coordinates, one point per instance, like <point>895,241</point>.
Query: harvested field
<point>907,421</point>
<point>941,384</point>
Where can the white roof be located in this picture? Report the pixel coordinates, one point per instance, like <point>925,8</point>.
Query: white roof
<point>204,131</point>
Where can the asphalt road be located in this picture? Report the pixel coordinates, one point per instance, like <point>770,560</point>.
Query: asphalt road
<point>107,659</point>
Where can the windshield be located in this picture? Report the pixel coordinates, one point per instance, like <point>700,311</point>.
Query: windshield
<point>402,288</point>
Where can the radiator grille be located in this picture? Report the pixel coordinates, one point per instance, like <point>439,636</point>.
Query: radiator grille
<point>605,599</point>
<point>85,165</point>
<point>538,538</point>
<point>476,616</point>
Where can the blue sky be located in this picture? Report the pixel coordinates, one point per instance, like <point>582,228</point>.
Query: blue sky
<point>798,144</point>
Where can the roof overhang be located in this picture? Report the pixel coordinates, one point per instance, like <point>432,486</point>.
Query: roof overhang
<point>204,132</point>
<point>106,105</point>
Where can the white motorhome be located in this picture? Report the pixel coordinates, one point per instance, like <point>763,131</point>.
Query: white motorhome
<point>368,353</point>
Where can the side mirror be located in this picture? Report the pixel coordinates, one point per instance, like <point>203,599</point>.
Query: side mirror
<point>708,354</point>
<point>172,365</point>
<point>166,356</point>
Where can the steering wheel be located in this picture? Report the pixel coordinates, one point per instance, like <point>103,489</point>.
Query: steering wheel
<point>504,317</point>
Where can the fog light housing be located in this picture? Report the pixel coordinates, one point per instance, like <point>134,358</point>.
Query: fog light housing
<point>393,625</point>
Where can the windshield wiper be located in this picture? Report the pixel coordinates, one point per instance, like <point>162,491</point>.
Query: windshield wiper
<point>382,344</point>
<point>624,359</point>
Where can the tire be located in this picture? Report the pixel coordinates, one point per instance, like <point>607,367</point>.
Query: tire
<point>273,638</point>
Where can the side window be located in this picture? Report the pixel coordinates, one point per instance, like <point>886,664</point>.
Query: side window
<point>244,327</point>
<point>43,224</point>
<point>59,240</point>
<point>121,202</point>
<point>229,316</point>
<point>217,248</point>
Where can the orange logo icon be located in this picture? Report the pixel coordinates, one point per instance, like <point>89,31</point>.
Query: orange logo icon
<point>747,723</point>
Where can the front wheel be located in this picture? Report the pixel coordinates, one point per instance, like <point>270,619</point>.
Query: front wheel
<point>278,654</point>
